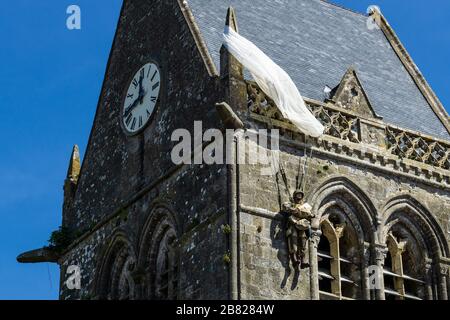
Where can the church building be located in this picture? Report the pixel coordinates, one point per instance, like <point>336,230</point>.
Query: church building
<point>136,225</point>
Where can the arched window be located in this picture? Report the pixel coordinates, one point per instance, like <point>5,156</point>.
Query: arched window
<point>166,273</point>
<point>159,257</point>
<point>404,267</point>
<point>123,285</point>
<point>116,282</point>
<point>416,248</point>
<point>339,258</point>
<point>347,220</point>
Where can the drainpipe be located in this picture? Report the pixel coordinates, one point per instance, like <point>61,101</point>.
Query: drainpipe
<point>233,191</point>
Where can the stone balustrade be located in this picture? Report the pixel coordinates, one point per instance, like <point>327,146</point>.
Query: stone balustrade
<point>370,136</point>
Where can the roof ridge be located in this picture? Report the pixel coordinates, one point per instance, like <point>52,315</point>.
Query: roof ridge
<point>344,8</point>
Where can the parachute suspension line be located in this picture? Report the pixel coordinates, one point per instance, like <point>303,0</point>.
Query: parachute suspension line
<point>283,175</point>
<point>299,174</point>
<point>281,170</point>
<point>302,168</point>
<point>306,168</point>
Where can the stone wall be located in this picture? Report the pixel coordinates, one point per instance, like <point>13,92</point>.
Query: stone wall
<point>262,243</point>
<point>116,166</point>
<point>199,221</point>
<point>123,179</point>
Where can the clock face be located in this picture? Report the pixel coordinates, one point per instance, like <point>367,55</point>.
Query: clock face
<point>141,98</point>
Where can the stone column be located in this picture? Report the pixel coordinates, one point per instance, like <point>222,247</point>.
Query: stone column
<point>313,265</point>
<point>380,255</point>
<point>139,276</point>
<point>429,279</point>
<point>448,284</point>
<point>365,274</point>
<point>443,279</point>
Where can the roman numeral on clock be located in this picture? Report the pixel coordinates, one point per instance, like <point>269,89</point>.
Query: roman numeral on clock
<point>130,95</point>
<point>148,72</point>
<point>140,121</point>
<point>128,119</point>
<point>133,124</point>
<point>153,99</point>
<point>156,85</point>
<point>154,75</point>
<point>135,83</point>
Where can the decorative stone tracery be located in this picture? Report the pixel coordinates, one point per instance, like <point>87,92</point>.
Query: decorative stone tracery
<point>362,136</point>
<point>414,147</point>
<point>337,123</point>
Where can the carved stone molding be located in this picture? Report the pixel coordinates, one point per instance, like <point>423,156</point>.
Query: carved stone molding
<point>337,124</point>
<point>315,237</point>
<point>444,269</point>
<point>381,252</point>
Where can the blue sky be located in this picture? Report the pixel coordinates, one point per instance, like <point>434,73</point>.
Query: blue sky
<point>50,80</point>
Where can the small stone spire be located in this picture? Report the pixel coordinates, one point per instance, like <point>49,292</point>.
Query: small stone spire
<point>74,166</point>
<point>232,73</point>
<point>232,20</point>
<point>70,185</point>
<point>73,173</point>
<point>229,66</point>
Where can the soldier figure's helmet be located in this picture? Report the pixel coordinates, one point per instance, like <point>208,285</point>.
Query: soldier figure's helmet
<point>298,195</point>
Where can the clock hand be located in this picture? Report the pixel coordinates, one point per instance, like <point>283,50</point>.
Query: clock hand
<point>138,100</point>
<point>131,108</point>
<point>141,89</point>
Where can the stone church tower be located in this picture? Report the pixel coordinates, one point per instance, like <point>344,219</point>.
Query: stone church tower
<point>139,226</point>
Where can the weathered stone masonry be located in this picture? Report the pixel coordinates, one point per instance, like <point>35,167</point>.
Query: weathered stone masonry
<point>357,171</point>
<point>144,228</point>
<point>125,181</point>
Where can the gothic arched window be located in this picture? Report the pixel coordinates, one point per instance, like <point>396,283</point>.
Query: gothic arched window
<point>339,258</point>
<point>416,246</point>
<point>160,257</point>
<point>166,273</point>
<point>116,282</point>
<point>123,284</point>
<point>404,267</point>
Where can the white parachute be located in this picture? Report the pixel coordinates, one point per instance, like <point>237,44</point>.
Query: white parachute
<point>274,82</point>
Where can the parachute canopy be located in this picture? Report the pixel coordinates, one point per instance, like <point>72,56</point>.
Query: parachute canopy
<point>273,81</point>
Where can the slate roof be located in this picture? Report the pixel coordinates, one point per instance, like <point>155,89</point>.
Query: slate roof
<point>316,42</point>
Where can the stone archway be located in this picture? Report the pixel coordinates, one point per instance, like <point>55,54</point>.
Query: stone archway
<point>346,220</point>
<point>159,256</point>
<point>114,279</point>
<point>416,248</point>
